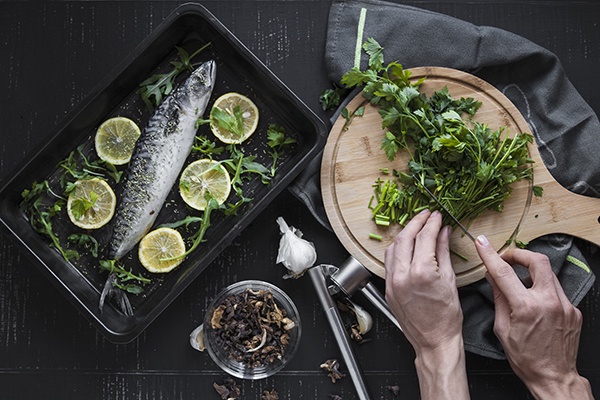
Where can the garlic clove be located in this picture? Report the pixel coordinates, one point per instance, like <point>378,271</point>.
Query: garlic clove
<point>363,318</point>
<point>197,338</point>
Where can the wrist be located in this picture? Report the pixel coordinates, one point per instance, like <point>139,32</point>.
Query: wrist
<point>442,371</point>
<point>570,386</point>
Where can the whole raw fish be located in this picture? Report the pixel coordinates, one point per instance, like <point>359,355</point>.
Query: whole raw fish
<point>158,158</point>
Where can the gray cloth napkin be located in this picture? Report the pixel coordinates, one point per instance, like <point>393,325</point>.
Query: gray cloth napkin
<point>565,127</point>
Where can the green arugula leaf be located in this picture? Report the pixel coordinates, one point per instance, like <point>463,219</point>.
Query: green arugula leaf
<point>123,274</point>
<point>232,122</point>
<point>85,241</point>
<point>278,141</point>
<point>40,205</point>
<point>153,89</point>
<point>207,147</point>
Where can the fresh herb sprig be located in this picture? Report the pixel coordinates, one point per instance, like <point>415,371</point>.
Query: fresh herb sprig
<point>207,147</point>
<point>349,115</point>
<point>198,237</point>
<point>77,166</point>
<point>243,167</point>
<point>153,89</point>
<point>467,165</point>
<point>232,121</point>
<point>278,141</point>
<point>331,98</point>
<point>41,204</point>
<point>125,276</point>
<point>81,205</point>
<point>85,241</point>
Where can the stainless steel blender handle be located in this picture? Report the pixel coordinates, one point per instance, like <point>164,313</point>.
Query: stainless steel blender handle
<point>339,332</point>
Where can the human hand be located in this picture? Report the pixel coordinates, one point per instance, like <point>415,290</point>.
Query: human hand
<point>538,327</point>
<point>421,291</point>
<point>420,283</point>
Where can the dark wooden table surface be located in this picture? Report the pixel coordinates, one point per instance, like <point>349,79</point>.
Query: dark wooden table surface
<point>52,54</point>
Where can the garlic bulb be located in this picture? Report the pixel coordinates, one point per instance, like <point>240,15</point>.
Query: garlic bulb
<point>295,253</point>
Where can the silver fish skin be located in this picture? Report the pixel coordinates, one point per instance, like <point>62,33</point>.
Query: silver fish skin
<point>158,158</point>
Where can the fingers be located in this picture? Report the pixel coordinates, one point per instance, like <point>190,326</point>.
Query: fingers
<point>443,256</point>
<point>427,238</point>
<point>504,277</point>
<point>505,281</point>
<point>407,237</point>
<point>399,254</point>
<point>538,265</point>
<point>541,273</point>
<point>501,320</point>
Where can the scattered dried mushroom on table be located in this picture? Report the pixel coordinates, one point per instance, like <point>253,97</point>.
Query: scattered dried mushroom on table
<point>229,390</point>
<point>332,366</point>
<point>270,395</point>
<point>395,389</point>
<point>251,328</point>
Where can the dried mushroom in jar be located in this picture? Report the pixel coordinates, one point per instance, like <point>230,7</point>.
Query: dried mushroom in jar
<point>252,328</point>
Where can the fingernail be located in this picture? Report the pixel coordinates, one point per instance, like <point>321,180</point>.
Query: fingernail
<point>424,211</point>
<point>483,240</point>
<point>435,213</point>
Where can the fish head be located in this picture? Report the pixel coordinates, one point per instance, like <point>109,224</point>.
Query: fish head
<point>201,81</point>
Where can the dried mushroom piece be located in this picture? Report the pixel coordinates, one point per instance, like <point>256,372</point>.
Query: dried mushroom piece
<point>395,389</point>
<point>229,390</point>
<point>252,328</point>
<point>332,366</point>
<point>215,321</point>
<point>270,395</point>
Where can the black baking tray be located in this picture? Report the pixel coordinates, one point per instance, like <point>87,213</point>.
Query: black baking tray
<point>190,26</point>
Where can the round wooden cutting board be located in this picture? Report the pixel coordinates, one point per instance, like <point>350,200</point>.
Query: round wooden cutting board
<point>352,160</point>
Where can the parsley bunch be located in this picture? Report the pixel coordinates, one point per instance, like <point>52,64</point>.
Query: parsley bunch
<point>466,164</point>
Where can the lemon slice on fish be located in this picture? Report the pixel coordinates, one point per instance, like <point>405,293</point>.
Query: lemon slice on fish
<point>201,178</point>
<point>160,250</point>
<point>91,204</point>
<point>115,140</point>
<point>234,118</point>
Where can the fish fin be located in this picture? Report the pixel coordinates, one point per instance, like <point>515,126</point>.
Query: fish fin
<point>110,291</point>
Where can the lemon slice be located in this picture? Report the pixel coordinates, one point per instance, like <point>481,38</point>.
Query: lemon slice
<point>91,204</point>
<point>228,104</point>
<point>204,177</point>
<point>160,250</point>
<point>115,140</point>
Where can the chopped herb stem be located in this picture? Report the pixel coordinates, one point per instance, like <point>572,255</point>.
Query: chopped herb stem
<point>375,236</point>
